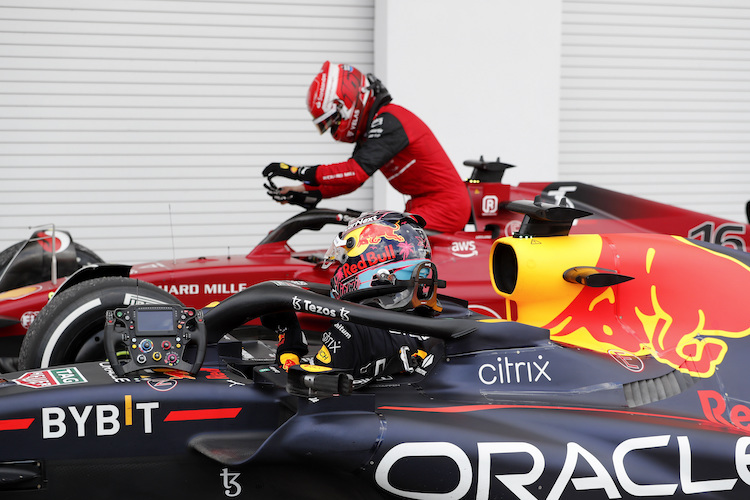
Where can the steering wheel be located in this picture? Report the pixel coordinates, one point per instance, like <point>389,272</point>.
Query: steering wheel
<point>155,336</point>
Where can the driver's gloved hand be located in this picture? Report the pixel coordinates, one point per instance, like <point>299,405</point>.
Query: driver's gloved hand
<point>306,200</point>
<point>288,360</point>
<point>289,171</point>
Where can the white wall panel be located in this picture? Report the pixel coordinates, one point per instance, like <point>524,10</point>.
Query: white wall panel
<point>114,114</point>
<point>655,100</point>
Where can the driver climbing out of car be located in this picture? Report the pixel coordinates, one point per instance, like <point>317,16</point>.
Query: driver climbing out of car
<point>358,109</point>
<point>383,261</point>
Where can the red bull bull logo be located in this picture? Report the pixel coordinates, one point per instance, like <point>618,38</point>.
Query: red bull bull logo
<point>372,234</point>
<point>676,309</point>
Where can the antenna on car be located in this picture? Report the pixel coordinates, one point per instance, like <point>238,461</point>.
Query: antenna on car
<point>53,246</point>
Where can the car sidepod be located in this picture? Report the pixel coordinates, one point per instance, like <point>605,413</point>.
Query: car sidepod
<point>82,429</point>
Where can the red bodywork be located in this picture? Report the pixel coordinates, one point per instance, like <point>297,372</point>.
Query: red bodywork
<point>462,258</point>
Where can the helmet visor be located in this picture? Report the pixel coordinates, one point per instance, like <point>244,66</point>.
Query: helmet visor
<point>327,120</point>
<point>336,252</point>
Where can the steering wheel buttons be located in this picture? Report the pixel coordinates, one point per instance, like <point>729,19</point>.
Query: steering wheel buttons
<point>156,356</point>
<point>172,358</point>
<point>140,359</point>
<point>166,345</point>
<point>146,345</point>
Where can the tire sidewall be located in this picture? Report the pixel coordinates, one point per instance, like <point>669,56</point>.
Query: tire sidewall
<point>76,315</point>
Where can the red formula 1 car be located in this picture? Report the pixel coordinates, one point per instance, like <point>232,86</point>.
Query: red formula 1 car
<point>461,258</point>
<point>624,377</point>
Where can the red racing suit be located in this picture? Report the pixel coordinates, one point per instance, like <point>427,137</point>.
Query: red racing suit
<point>406,151</point>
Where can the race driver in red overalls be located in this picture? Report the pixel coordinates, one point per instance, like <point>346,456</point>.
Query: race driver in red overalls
<point>389,138</point>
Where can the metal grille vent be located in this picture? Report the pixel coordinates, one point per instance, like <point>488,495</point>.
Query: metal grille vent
<point>643,392</point>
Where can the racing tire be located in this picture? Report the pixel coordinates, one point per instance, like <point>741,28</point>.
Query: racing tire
<point>70,328</point>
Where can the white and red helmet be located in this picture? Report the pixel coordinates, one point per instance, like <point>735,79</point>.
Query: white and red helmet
<point>340,98</point>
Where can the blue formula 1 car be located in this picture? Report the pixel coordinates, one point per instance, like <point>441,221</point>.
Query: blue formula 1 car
<point>622,375</point>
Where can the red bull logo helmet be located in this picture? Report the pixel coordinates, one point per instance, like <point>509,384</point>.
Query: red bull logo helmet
<point>383,260</point>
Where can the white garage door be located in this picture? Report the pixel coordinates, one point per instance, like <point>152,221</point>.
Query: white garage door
<point>142,125</point>
<point>656,100</point>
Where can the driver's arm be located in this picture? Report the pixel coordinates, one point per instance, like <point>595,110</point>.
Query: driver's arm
<point>292,344</point>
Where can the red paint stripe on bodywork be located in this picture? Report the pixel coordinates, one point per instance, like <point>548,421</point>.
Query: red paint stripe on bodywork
<point>471,408</point>
<point>210,414</point>
<point>15,424</point>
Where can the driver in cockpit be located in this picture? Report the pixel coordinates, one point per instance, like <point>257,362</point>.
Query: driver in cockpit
<point>383,261</point>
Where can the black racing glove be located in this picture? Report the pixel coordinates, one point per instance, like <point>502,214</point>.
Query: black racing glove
<point>306,200</point>
<point>290,172</point>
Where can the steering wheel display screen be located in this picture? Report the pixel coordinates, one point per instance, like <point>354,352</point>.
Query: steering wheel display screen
<point>155,321</point>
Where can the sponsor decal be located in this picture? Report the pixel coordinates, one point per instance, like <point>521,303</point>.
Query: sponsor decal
<point>514,372</point>
<point>27,318</point>
<point>110,419</point>
<point>108,369</point>
<point>362,222</point>
<point>464,249</point>
<point>562,192</point>
<point>232,487</point>
<point>512,227</point>
<point>376,128</point>
<point>321,90</point>
<point>627,359</point>
<point>330,342</point>
<point>324,355</point>
<point>306,305</point>
<point>715,406</point>
<point>162,385</point>
<point>490,204</point>
<point>342,286</point>
<point>612,475</point>
<point>344,331</point>
<point>370,259</point>
<point>106,419</point>
<point>208,288</point>
<point>224,288</point>
<point>181,289</point>
<point>50,378</point>
<point>338,175</point>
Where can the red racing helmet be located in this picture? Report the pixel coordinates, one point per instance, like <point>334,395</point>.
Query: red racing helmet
<point>340,98</point>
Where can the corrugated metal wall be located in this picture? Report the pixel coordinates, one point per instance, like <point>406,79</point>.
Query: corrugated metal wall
<point>114,113</point>
<point>656,100</point>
